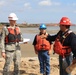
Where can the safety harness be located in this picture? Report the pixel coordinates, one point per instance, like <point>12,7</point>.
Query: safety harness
<point>58,46</point>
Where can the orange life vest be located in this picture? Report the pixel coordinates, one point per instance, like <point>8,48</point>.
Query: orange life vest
<point>60,49</point>
<point>42,43</point>
<point>13,35</point>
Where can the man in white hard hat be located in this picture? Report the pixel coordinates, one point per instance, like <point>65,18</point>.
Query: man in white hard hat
<point>11,36</point>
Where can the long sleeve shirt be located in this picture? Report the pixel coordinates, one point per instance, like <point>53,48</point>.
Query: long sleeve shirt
<point>8,46</point>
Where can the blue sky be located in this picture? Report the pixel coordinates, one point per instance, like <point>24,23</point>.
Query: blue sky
<point>38,11</point>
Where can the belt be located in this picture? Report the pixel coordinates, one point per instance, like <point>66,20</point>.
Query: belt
<point>10,51</point>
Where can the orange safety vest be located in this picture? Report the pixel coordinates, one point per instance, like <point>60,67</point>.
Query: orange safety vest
<point>42,43</point>
<point>13,35</point>
<point>59,48</point>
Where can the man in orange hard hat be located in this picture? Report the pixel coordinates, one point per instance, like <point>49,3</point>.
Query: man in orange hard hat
<point>65,45</point>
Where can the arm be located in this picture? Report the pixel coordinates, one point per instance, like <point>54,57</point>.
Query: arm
<point>3,43</point>
<point>20,34</point>
<point>36,52</point>
<point>34,43</point>
<point>52,38</point>
<point>21,39</point>
<point>73,47</point>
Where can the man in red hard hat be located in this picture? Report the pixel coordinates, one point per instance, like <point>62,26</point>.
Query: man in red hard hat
<point>65,45</point>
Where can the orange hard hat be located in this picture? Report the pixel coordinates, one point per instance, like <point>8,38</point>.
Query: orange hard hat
<point>65,21</point>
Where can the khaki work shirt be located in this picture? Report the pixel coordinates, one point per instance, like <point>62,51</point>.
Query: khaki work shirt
<point>9,47</point>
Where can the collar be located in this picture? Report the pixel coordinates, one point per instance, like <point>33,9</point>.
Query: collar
<point>42,33</point>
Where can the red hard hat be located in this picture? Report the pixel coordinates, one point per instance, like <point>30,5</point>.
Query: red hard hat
<point>65,21</point>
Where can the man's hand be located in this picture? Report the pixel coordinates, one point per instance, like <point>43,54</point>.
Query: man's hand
<point>36,52</point>
<point>49,52</point>
<point>3,55</point>
<point>74,61</point>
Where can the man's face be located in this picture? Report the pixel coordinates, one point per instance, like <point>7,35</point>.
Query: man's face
<point>62,28</point>
<point>12,22</point>
<point>43,31</point>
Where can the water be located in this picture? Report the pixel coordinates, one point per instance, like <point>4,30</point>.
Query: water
<point>30,36</point>
<point>33,31</point>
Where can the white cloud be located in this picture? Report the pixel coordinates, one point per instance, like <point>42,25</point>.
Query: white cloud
<point>45,3</point>
<point>27,5</point>
<point>2,3</point>
<point>48,3</point>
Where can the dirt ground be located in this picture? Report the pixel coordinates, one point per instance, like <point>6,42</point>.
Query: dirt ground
<point>30,66</point>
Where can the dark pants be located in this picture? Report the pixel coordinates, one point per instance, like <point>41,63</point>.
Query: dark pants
<point>69,59</point>
<point>44,60</point>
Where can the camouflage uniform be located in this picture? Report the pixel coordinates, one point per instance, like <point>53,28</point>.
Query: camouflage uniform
<point>13,53</point>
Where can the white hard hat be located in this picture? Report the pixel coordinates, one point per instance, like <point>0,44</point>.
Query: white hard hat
<point>12,16</point>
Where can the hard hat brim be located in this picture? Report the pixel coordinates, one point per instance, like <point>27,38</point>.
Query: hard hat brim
<point>12,18</point>
<point>42,28</point>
